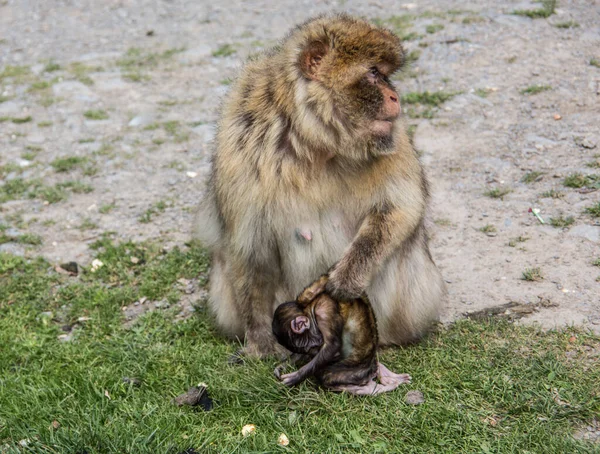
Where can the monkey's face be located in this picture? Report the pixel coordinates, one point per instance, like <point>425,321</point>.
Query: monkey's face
<point>349,64</point>
<point>295,330</point>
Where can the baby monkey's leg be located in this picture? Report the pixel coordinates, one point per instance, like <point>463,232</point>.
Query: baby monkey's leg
<point>387,377</point>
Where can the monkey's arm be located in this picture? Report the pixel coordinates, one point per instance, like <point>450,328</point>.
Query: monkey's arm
<point>312,291</point>
<point>382,231</point>
<point>331,325</point>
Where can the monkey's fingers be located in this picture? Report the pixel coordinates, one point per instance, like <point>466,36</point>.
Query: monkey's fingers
<point>313,290</point>
<point>291,379</point>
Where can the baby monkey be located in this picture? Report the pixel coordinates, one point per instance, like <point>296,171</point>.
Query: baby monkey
<point>341,339</point>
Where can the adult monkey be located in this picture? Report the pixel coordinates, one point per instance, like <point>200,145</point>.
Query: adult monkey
<point>313,172</point>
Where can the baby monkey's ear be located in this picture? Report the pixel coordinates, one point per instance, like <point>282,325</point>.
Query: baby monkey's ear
<point>313,290</point>
<point>300,324</point>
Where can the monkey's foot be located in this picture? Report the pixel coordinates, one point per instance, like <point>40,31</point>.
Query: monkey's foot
<point>387,377</point>
<point>370,389</point>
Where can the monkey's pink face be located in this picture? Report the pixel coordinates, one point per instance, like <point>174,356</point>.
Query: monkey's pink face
<point>388,107</point>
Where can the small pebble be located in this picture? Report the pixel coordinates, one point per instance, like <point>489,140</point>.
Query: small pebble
<point>414,398</point>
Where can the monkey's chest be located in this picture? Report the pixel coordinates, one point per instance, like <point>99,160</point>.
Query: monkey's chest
<point>310,242</point>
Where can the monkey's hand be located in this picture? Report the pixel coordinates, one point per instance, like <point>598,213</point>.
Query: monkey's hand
<point>292,378</point>
<point>345,283</point>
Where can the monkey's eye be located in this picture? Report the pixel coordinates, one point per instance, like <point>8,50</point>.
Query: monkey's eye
<point>373,75</point>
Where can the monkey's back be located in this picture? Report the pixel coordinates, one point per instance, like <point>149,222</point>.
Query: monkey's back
<point>358,362</point>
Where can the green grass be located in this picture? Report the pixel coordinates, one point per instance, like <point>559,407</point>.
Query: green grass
<point>532,274</point>
<point>532,177</point>
<point>578,180</point>
<point>68,163</point>
<point>595,62</point>
<point>26,238</point>
<point>514,241</point>
<point>14,72</point>
<point>497,193</point>
<point>566,24</point>
<point>488,228</point>
<point>489,386</point>
<point>435,99</point>
<point>52,66</point>
<point>224,51</point>
<point>158,207</point>
<point>594,210</point>
<point>553,194</point>
<point>95,114</point>
<point>535,89</point>
<point>19,188</point>
<point>434,28</point>
<point>562,222</point>
<point>545,11</point>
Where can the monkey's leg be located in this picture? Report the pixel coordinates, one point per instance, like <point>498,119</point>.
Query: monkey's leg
<point>255,294</point>
<point>387,377</point>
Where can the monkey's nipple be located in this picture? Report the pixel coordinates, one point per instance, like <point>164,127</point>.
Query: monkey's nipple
<point>303,234</point>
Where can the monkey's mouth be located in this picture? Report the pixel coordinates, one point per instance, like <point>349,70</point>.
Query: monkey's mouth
<point>382,127</point>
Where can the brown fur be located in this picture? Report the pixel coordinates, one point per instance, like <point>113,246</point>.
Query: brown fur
<point>295,153</point>
<point>345,330</point>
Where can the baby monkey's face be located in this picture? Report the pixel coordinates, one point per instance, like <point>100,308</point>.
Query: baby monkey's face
<point>296,329</point>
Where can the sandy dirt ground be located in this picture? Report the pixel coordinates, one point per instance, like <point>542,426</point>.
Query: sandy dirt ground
<point>132,87</point>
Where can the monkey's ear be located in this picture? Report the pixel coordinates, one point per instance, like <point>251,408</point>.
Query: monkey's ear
<point>311,58</point>
<point>300,324</point>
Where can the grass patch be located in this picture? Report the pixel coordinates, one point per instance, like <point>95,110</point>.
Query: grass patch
<point>158,207</point>
<point>497,193</point>
<point>87,224</point>
<point>535,89</point>
<point>562,222</point>
<point>76,187</point>
<point>45,124</point>
<point>434,99</point>
<point>514,241</point>
<point>26,238</point>
<point>434,28</point>
<point>80,71</point>
<point>566,24</point>
<point>52,66</point>
<point>532,274</point>
<point>488,228</point>
<point>400,25</point>
<point>594,210</point>
<point>595,62</point>
<point>224,51</point>
<point>473,20</point>
<point>596,262</point>
<point>15,72</point>
<point>67,164</point>
<point>545,11</point>
<point>95,114</point>
<point>19,188</point>
<point>553,194</point>
<point>578,180</point>
<point>107,208</point>
<point>488,385</point>
<point>532,177</point>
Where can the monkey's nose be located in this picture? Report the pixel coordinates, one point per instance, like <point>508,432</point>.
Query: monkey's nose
<point>393,98</point>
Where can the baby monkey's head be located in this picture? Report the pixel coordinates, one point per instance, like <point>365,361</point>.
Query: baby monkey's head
<point>295,328</point>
